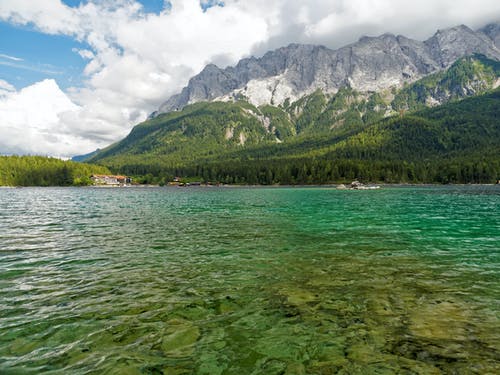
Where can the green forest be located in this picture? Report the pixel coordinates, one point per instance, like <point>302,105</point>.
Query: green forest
<point>45,171</point>
<point>453,143</point>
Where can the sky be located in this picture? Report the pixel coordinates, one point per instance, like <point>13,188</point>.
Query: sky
<point>76,75</point>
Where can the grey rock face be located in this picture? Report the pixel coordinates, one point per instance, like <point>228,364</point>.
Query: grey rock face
<point>384,61</point>
<point>446,46</point>
<point>493,32</point>
<point>371,64</point>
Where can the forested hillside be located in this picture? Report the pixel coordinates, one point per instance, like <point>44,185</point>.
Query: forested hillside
<point>453,143</point>
<point>44,171</point>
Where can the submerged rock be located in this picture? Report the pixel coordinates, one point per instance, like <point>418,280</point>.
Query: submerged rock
<point>180,340</point>
<point>439,321</point>
<point>295,369</point>
<point>299,297</point>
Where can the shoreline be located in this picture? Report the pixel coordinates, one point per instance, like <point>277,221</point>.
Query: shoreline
<point>275,186</point>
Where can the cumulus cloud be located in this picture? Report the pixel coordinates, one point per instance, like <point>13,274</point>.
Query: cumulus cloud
<point>136,60</point>
<point>51,17</point>
<point>340,22</point>
<point>31,120</point>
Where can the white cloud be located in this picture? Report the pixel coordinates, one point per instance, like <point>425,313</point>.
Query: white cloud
<point>84,53</point>
<point>135,60</point>
<point>335,23</point>
<point>50,16</point>
<point>32,121</point>
<point>8,57</point>
<point>6,86</point>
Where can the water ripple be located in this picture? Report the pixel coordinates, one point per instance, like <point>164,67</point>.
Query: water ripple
<point>263,281</point>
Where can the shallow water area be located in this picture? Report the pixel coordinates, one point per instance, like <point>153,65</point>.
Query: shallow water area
<point>250,280</point>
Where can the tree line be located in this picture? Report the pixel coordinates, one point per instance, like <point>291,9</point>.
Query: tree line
<point>45,171</point>
<point>303,171</point>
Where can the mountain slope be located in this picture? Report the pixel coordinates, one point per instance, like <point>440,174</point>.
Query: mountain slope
<point>371,64</point>
<point>455,142</point>
<point>492,31</point>
<point>200,129</point>
<point>211,128</point>
<point>80,158</point>
<point>468,76</point>
<point>465,128</point>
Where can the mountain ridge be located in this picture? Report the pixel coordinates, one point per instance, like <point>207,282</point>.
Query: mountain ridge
<point>212,126</point>
<point>329,133</point>
<point>370,64</point>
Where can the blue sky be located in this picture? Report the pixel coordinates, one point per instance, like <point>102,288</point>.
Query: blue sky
<point>150,6</point>
<point>36,56</point>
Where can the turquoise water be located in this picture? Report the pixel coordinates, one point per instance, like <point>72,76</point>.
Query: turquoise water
<point>250,281</point>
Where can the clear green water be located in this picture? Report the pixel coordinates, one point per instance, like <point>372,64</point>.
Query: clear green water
<point>250,281</point>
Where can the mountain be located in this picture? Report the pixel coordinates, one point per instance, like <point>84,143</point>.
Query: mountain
<point>385,109</point>
<point>329,138</point>
<point>371,64</point>
<point>80,158</point>
<point>455,142</point>
<point>209,128</point>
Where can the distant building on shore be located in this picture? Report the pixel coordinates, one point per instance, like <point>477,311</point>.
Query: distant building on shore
<point>104,179</point>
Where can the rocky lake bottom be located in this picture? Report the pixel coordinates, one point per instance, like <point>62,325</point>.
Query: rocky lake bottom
<point>401,280</point>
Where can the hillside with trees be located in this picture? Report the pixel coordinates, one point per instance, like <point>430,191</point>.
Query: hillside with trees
<point>45,171</point>
<point>453,143</point>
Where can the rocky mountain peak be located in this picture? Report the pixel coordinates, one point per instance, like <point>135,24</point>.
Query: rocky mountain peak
<point>370,64</point>
<point>446,46</point>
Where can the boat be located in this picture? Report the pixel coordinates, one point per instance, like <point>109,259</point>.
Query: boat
<point>356,185</point>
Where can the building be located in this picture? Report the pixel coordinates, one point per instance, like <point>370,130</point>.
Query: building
<point>103,179</point>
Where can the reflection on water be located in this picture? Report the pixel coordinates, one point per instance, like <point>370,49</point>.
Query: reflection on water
<point>250,281</point>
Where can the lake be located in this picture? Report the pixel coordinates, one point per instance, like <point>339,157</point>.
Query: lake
<point>250,280</point>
